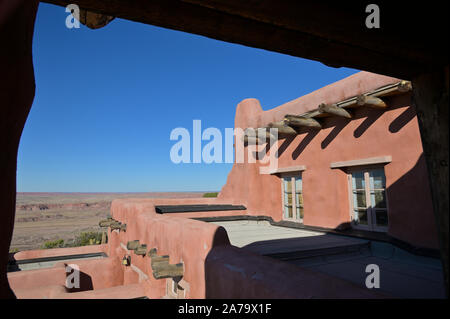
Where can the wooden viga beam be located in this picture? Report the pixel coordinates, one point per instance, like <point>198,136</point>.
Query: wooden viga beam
<point>370,101</point>
<point>119,226</point>
<point>132,244</point>
<point>166,270</point>
<point>94,20</point>
<point>301,121</point>
<point>255,136</point>
<point>161,267</point>
<point>141,250</point>
<point>333,109</point>
<point>155,259</point>
<point>283,129</point>
<point>106,222</point>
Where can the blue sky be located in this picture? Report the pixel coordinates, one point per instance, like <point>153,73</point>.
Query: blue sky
<point>107,99</point>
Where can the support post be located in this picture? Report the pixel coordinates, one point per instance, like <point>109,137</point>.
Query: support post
<point>430,98</point>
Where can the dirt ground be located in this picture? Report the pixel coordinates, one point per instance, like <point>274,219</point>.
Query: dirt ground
<point>42,217</point>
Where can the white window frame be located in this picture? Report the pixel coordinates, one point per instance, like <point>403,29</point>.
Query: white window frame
<point>371,223</point>
<point>292,175</point>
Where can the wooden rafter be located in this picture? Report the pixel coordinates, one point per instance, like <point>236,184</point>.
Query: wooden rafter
<point>292,123</point>
<point>301,121</point>
<point>372,101</point>
<point>333,109</point>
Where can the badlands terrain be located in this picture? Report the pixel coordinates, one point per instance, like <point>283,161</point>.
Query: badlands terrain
<point>42,217</point>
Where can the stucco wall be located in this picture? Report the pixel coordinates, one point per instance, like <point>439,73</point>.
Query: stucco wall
<point>370,133</point>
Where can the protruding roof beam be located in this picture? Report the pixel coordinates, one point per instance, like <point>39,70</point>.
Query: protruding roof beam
<point>371,101</point>
<point>283,128</point>
<point>94,20</point>
<point>301,121</point>
<point>333,109</point>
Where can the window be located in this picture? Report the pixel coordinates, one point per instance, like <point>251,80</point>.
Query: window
<point>369,203</point>
<point>293,197</point>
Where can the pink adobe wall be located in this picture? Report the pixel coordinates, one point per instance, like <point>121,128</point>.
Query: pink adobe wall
<point>184,240</point>
<point>371,133</point>
<point>234,273</point>
<point>212,267</point>
<point>40,253</point>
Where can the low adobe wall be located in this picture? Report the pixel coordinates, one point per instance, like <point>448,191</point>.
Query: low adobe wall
<point>184,240</point>
<point>370,133</point>
<point>212,267</point>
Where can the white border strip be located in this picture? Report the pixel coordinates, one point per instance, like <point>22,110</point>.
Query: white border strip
<point>289,169</point>
<point>360,162</point>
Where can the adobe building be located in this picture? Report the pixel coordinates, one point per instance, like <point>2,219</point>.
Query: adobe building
<point>362,169</point>
<point>359,173</point>
<point>355,165</point>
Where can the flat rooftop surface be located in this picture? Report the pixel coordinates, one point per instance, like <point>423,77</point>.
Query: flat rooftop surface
<point>262,238</point>
<point>402,274</point>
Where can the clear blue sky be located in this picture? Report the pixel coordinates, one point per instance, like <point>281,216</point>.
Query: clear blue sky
<point>107,99</point>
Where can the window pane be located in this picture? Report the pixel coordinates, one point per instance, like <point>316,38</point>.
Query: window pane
<point>358,180</point>
<point>359,198</point>
<point>299,212</point>
<point>299,200</point>
<point>361,217</point>
<point>298,185</point>
<point>381,217</point>
<point>287,184</point>
<point>289,212</point>
<point>286,211</point>
<point>377,179</point>
<point>378,199</point>
<point>289,199</point>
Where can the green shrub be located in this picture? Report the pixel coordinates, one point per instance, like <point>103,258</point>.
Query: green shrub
<point>87,238</point>
<point>58,243</point>
<point>14,250</point>
<point>210,194</point>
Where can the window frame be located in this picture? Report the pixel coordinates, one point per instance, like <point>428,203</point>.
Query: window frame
<point>371,211</point>
<point>292,175</point>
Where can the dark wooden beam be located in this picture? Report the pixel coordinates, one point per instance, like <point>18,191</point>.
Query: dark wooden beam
<point>344,22</point>
<point>430,99</point>
<point>164,209</point>
<point>335,35</point>
<point>94,20</point>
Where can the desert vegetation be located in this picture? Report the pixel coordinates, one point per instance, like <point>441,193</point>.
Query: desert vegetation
<point>214,194</point>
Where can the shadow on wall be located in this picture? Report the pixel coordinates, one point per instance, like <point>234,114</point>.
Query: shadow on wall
<point>85,282</point>
<point>411,215</point>
<point>371,116</point>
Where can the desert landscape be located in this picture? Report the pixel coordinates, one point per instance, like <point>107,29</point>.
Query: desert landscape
<point>44,217</point>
